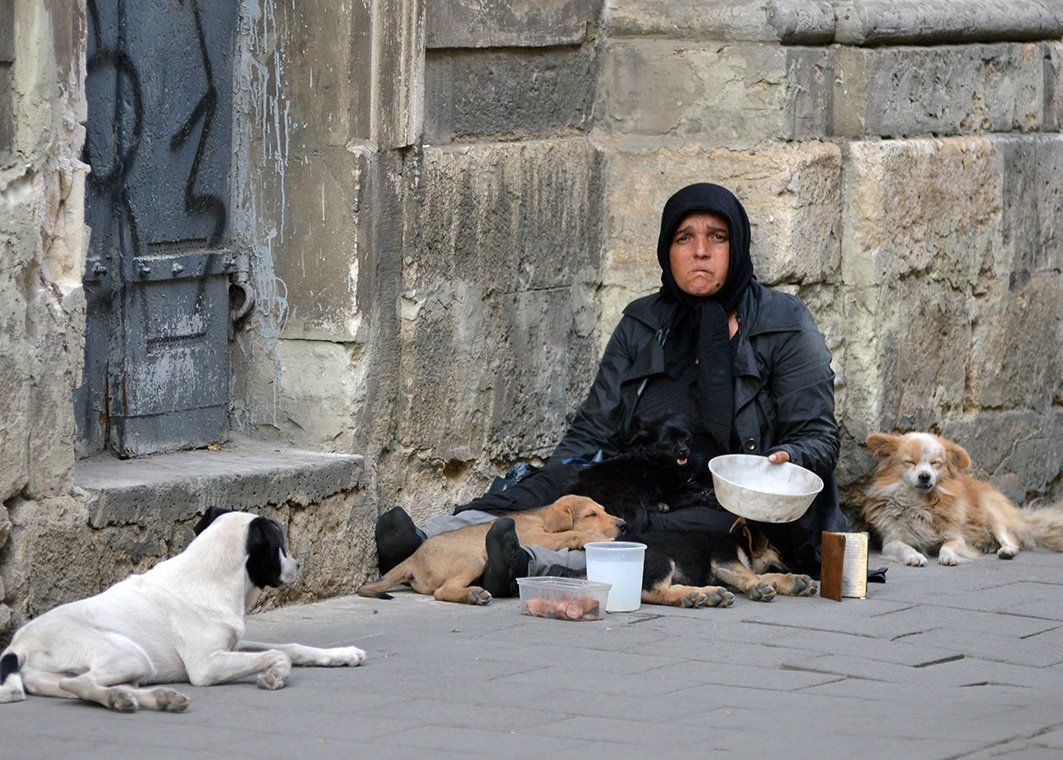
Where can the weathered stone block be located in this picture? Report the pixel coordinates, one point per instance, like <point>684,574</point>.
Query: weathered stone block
<point>733,96</point>
<point>933,22</point>
<point>943,90</point>
<point>1016,358</point>
<point>921,219</point>
<point>507,93</point>
<point>1053,119</point>
<point>920,207</point>
<point>337,71</point>
<point>316,79</point>
<point>471,24</point>
<point>155,492</point>
<point>15,422</point>
<point>1020,451</point>
<point>322,384</point>
<point>38,571</point>
<point>319,253</point>
<point>333,541</point>
<point>58,322</point>
<point>791,193</point>
<point>498,304</point>
<point>1032,170</point>
<point>794,22</point>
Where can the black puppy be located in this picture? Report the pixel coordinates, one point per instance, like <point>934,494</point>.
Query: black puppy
<point>658,471</point>
<point>695,568</point>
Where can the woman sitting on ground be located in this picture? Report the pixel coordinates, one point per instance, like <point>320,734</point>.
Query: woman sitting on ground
<point>746,363</point>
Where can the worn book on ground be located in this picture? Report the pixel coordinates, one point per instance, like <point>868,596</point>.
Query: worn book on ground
<point>843,571</point>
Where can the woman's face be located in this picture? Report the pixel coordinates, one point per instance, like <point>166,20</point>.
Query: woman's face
<point>700,253</point>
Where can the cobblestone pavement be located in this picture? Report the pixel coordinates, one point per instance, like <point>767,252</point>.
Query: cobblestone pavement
<point>939,662</point>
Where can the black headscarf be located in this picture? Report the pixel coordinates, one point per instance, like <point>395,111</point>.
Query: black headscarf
<point>708,314</point>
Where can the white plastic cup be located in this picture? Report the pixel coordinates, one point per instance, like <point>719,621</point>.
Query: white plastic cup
<point>618,563</point>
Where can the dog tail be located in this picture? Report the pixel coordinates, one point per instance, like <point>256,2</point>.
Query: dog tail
<point>379,588</point>
<point>11,688</point>
<point>1043,528</point>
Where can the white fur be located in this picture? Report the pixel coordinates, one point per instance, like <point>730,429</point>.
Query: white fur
<point>903,522</point>
<point>920,502</point>
<point>183,620</point>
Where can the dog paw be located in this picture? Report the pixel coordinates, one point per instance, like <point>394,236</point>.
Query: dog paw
<point>1007,552</point>
<point>915,559</point>
<point>695,599</point>
<point>721,598</point>
<point>804,586</point>
<point>761,592</point>
<point>947,557</point>
<point>170,700</point>
<point>479,596</point>
<point>274,678</point>
<point>122,700</point>
<point>350,656</point>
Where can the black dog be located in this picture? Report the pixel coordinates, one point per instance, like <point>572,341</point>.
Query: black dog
<point>691,568</point>
<point>658,471</point>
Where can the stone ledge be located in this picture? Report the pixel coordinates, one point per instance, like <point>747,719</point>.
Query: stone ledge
<point>474,24</point>
<point>933,22</point>
<point>847,22</point>
<point>245,475</point>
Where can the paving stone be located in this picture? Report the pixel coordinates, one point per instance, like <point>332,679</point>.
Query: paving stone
<point>899,652</point>
<point>727,674</point>
<point>994,647</point>
<point>922,668</point>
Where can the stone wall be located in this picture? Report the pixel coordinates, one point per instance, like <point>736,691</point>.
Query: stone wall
<point>896,163</point>
<point>42,249</point>
<point>445,205</point>
<point>900,168</point>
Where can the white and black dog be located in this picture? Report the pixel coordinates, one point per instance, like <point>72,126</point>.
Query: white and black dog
<point>181,621</point>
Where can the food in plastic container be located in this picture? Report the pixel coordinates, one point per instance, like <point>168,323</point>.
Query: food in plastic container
<point>562,598</point>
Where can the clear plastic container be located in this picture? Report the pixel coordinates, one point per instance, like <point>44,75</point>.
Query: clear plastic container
<point>562,598</point>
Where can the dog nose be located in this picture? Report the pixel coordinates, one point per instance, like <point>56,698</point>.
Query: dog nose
<point>924,477</point>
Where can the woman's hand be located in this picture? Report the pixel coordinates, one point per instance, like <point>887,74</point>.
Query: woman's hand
<point>778,457</point>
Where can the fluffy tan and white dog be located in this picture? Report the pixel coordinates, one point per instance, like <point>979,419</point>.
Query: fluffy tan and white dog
<point>919,502</point>
<point>183,620</point>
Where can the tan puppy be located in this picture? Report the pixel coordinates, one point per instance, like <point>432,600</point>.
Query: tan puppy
<point>448,564</point>
<point>920,503</point>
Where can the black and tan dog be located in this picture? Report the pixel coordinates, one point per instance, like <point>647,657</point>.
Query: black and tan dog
<point>699,568</point>
<point>448,565</point>
<point>660,472</point>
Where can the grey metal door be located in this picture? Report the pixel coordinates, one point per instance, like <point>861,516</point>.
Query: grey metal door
<point>159,86</point>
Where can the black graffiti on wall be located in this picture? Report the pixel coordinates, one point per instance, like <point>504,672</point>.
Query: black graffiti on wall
<point>109,181</point>
<point>113,163</point>
<point>205,203</point>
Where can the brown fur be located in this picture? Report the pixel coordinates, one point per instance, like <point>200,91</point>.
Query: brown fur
<point>919,502</point>
<point>682,565</point>
<point>447,565</point>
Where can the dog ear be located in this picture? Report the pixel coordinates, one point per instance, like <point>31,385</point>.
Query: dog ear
<point>883,445</point>
<point>642,433</point>
<point>751,539</point>
<point>558,517</point>
<point>957,455</point>
<point>208,517</point>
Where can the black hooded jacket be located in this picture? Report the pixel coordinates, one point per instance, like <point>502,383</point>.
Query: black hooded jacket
<point>783,401</point>
<point>783,382</point>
